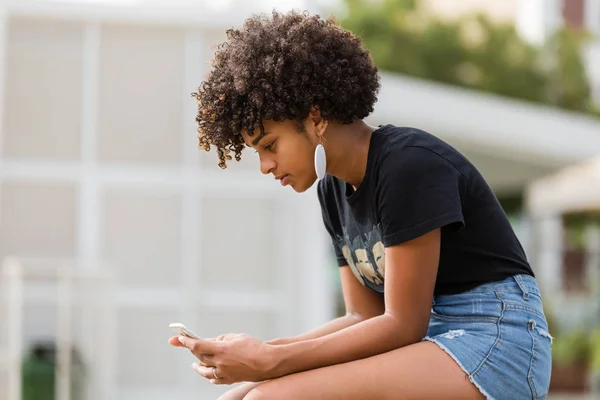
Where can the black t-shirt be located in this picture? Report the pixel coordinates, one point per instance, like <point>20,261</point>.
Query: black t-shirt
<point>415,183</point>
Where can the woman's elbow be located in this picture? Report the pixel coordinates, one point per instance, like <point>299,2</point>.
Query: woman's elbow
<point>409,331</point>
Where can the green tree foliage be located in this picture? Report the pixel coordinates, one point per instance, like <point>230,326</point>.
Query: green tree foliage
<point>472,52</point>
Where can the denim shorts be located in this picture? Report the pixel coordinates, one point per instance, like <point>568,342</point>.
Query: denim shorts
<point>498,335</point>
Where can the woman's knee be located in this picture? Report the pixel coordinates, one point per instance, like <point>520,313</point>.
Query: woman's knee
<point>239,392</point>
<point>267,391</point>
<point>259,394</point>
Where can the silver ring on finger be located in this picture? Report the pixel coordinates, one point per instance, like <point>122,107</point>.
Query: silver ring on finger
<point>215,373</point>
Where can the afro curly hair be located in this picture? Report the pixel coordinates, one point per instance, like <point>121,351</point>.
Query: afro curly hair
<point>278,69</point>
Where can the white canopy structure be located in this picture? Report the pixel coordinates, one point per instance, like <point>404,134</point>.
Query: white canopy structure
<point>573,189</point>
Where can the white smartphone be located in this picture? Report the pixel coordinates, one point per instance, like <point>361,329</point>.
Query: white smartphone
<point>181,329</point>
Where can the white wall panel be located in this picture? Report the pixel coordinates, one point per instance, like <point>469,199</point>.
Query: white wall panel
<point>141,75</point>
<point>141,236</point>
<point>239,244</point>
<point>44,86</point>
<point>38,219</point>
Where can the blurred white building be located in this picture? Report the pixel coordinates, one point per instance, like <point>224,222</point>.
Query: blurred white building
<point>99,165</point>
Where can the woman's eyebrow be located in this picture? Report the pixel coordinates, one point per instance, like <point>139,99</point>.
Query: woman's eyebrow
<point>259,137</point>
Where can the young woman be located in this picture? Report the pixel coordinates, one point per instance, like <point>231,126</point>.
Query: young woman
<point>441,302</point>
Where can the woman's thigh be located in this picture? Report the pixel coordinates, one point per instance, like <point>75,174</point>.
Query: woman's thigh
<point>419,371</point>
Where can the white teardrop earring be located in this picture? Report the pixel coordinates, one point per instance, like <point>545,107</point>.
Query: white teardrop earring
<point>320,161</point>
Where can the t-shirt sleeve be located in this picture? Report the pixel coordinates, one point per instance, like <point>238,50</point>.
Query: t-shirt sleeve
<point>417,191</point>
<point>330,220</point>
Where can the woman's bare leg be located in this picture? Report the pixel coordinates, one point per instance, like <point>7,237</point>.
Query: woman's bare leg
<point>238,392</point>
<point>419,371</point>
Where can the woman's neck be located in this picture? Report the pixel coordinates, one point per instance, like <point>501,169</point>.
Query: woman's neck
<point>347,149</point>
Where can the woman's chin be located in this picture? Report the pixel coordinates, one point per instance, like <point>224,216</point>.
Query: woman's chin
<point>301,187</point>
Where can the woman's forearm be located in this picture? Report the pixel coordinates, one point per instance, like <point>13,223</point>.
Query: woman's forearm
<point>367,338</point>
<point>323,330</point>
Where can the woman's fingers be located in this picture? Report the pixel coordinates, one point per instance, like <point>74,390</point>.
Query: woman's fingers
<point>199,346</point>
<point>210,373</point>
<point>174,341</point>
<point>203,359</point>
<point>206,372</point>
<point>205,366</point>
<point>206,360</point>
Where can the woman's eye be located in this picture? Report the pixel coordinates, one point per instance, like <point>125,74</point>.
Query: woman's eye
<point>269,147</point>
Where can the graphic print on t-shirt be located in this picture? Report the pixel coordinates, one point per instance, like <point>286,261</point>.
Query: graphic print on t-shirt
<point>365,256</point>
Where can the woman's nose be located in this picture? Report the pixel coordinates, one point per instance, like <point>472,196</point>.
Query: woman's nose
<point>266,165</point>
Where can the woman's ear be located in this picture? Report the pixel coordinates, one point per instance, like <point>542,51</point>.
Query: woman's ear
<point>322,126</point>
<point>320,122</point>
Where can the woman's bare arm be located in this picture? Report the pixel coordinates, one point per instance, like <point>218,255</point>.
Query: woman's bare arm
<point>411,269</point>
<point>360,302</point>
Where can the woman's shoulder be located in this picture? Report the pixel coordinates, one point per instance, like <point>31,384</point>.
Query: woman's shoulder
<point>411,149</point>
<point>391,139</point>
